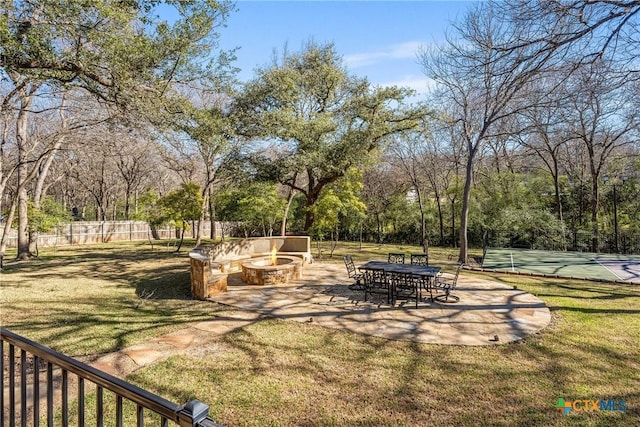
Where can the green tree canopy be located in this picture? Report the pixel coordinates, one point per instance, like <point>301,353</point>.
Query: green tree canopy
<point>181,206</point>
<point>322,119</point>
<point>50,215</point>
<point>339,204</point>
<point>256,204</point>
<point>120,51</point>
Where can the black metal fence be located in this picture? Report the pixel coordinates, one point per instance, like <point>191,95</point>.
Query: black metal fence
<point>36,378</point>
<point>579,241</point>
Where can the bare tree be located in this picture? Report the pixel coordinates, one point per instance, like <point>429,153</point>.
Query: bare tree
<point>575,31</point>
<point>545,132</point>
<point>481,86</point>
<point>380,185</point>
<point>407,154</point>
<point>602,121</point>
<point>82,45</point>
<point>95,170</point>
<point>443,164</point>
<point>133,153</point>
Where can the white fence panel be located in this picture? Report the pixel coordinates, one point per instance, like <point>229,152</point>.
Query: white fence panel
<point>87,232</point>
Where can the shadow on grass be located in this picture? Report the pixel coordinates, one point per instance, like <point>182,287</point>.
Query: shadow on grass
<point>278,372</point>
<point>139,293</point>
<point>89,326</point>
<point>589,298</point>
<point>154,274</point>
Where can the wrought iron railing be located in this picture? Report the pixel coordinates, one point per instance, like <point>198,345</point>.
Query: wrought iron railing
<point>20,392</point>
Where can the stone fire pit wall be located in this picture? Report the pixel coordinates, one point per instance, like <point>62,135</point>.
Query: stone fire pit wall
<point>261,271</point>
<point>212,263</point>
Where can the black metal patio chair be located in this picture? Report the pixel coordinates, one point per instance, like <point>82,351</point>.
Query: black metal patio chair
<point>420,259</point>
<point>376,282</point>
<point>447,285</point>
<point>395,258</point>
<point>353,273</point>
<point>405,286</point>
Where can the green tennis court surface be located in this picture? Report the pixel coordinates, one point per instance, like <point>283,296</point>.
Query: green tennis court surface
<point>570,264</point>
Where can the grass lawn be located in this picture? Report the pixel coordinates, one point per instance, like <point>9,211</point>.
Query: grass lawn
<point>95,299</point>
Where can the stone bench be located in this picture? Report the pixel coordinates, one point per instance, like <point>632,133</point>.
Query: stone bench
<point>212,263</point>
<point>229,265</point>
<point>204,282</point>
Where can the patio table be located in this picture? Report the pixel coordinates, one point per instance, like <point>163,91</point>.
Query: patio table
<point>408,271</point>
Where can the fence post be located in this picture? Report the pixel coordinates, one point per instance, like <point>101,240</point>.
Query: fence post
<point>193,413</point>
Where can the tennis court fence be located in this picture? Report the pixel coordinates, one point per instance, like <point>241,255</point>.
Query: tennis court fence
<point>578,241</point>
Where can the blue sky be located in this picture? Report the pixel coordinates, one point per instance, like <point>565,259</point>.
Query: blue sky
<point>377,39</point>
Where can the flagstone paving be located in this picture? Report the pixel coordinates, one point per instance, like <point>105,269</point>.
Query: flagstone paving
<point>488,313</point>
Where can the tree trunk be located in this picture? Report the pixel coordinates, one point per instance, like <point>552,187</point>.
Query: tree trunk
<point>184,226</point>
<point>127,203</point>
<point>23,226</point>
<point>334,241</point>
<point>556,186</point>
<point>39,191</point>
<point>453,222</point>
<point>595,244</point>
<point>423,240</point>
<point>22,175</point>
<point>464,214</point>
<point>203,211</point>
<point>154,232</point>
<point>212,216</point>
<point>309,217</point>
<point>7,226</point>
<point>283,225</point>
<point>559,210</point>
<point>3,178</point>
<point>440,218</point>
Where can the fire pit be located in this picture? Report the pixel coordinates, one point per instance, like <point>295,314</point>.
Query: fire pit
<point>271,270</point>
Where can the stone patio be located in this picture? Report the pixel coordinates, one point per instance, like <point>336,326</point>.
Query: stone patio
<point>488,312</point>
